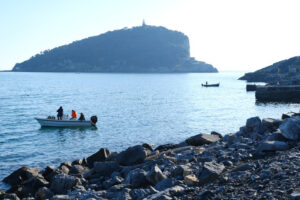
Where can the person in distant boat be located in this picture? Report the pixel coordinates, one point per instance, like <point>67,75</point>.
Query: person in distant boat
<point>81,118</point>
<point>206,82</point>
<point>74,114</point>
<point>60,113</point>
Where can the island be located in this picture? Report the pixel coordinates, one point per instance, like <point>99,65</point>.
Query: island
<point>141,49</point>
<point>285,72</point>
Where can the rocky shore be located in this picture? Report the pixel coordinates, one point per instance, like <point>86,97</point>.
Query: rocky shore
<point>260,161</point>
<point>285,72</point>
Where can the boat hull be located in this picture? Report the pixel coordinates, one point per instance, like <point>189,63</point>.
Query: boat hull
<point>63,123</point>
<point>211,85</point>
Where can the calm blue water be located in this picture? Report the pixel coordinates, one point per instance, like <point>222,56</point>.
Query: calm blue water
<point>132,109</point>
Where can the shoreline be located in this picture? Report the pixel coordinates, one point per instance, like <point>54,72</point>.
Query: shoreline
<point>258,161</point>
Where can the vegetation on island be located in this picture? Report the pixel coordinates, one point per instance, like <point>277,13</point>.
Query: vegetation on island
<point>139,49</point>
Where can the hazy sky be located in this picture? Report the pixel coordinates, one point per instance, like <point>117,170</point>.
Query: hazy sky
<point>231,34</point>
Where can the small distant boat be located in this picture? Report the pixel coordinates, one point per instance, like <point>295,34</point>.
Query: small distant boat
<point>48,122</point>
<point>211,85</point>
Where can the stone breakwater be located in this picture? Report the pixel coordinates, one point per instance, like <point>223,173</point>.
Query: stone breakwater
<point>260,161</point>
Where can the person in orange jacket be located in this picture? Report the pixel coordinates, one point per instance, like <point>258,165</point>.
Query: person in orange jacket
<point>74,114</point>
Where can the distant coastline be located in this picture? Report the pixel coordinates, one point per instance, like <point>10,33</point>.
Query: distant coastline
<point>285,72</point>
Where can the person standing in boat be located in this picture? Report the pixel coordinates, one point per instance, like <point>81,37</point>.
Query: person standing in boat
<point>60,113</point>
<point>81,118</point>
<point>74,114</point>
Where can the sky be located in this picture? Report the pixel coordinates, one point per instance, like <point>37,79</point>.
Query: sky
<point>241,35</point>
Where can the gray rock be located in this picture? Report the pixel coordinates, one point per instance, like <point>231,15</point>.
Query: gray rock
<point>244,167</point>
<point>99,156</point>
<point>61,183</point>
<point>155,175</point>
<point>48,173</point>
<point>78,169</point>
<point>229,138</point>
<point>166,147</point>
<point>272,146</point>
<point>118,187</point>
<point>132,155</point>
<point>60,197</point>
<point>43,193</point>
<point>67,164</point>
<point>210,172</point>
<point>142,193</point>
<point>165,194</point>
<point>20,175</point>
<point>217,134</point>
<point>202,139</point>
<point>253,122</point>
<point>276,136</point>
<point>165,183</point>
<point>290,128</point>
<point>106,168</point>
<point>77,162</point>
<point>296,194</point>
<point>180,170</point>
<point>271,123</point>
<point>285,116</point>
<point>147,147</point>
<point>112,181</point>
<point>63,169</point>
<point>136,178</point>
<point>10,196</point>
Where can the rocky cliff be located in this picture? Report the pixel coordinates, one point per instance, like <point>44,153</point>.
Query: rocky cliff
<point>139,49</point>
<point>286,72</point>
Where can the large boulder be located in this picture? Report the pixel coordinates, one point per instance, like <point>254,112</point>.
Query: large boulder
<point>137,178</point>
<point>99,156</point>
<point>166,183</point>
<point>112,181</point>
<point>272,146</point>
<point>43,193</point>
<point>210,171</point>
<point>202,139</point>
<point>61,183</point>
<point>132,156</point>
<point>49,172</point>
<point>166,147</point>
<point>290,128</point>
<point>20,175</point>
<point>106,168</point>
<point>155,175</point>
<point>181,170</point>
<point>271,123</point>
<point>78,169</point>
<point>253,122</point>
<point>191,180</point>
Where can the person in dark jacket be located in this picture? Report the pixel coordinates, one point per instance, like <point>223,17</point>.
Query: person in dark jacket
<point>60,113</point>
<point>81,118</point>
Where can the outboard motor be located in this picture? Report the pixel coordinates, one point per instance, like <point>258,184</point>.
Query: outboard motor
<point>94,120</point>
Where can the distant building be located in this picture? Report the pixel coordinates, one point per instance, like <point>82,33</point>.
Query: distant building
<point>144,23</point>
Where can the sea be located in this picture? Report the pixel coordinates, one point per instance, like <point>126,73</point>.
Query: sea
<point>131,109</point>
